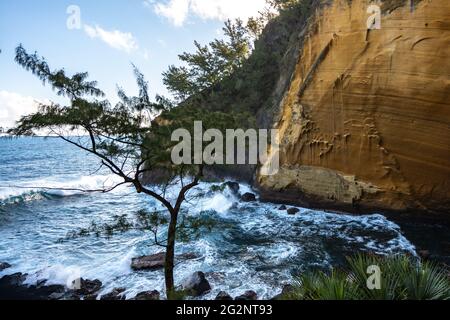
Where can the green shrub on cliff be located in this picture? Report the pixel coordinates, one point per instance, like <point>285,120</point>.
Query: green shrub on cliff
<point>402,278</point>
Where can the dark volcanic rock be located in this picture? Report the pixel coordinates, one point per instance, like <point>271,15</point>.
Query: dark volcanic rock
<point>223,296</point>
<point>282,208</point>
<point>248,296</point>
<point>248,197</point>
<point>15,279</point>
<point>12,288</point>
<point>148,296</point>
<point>116,294</point>
<point>293,211</point>
<point>152,262</point>
<point>424,254</point>
<point>4,265</point>
<point>196,285</point>
<point>87,287</point>
<point>233,186</point>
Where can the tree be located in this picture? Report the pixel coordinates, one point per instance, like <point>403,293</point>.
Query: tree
<point>122,137</point>
<point>210,63</point>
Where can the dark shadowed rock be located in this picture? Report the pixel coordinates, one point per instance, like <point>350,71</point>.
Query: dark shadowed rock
<point>233,186</point>
<point>15,279</point>
<point>424,254</point>
<point>148,296</point>
<point>248,296</point>
<point>282,208</point>
<point>87,287</point>
<point>12,288</point>
<point>196,285</point>
<point>248,197</point>
<point>57,296</point>
<point>223,296</point>
<point>293,211</point>
<point>4,265</point>
<point>116,294</point>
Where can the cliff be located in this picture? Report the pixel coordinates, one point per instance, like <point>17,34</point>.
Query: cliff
<point>364,115</point>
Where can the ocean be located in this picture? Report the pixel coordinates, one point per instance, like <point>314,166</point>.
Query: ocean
<point>254,247</point>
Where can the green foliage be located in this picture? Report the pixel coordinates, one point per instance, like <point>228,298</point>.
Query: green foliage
<point>217,188</point>
<point>191,228</point>
<point>402,278</point>
<point>177,295</point>
<point>210,63</point>
<point>73,87</point>
<point>322,286</point>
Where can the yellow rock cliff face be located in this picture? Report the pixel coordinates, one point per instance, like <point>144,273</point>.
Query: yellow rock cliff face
<point>366,120</point>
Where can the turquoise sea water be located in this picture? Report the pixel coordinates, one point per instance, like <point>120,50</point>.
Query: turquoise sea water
<point>255,246</point>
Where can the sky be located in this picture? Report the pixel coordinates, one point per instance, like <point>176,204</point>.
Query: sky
<point>103,37</point>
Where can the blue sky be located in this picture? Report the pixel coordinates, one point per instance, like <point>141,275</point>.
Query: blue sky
<point>112,35</point>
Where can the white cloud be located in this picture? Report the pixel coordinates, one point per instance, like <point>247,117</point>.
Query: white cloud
<point>13,106</point>
<point>116,39</point>
<point>178,11</point>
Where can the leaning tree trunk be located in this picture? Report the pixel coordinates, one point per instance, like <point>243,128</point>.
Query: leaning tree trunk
<point>170,256</point>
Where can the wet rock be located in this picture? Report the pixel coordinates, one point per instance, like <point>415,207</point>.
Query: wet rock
<point>148,296</point>
<point>196,285</point>
<point>86,287</point>
<point>223,296</point>
<point>57,296</point>
<point>233,186</point>
<point>15,279</point>
<point>4,265</point>
<point>248,197</point>
<point>116,294</point>
<point>248,296</point>
<point>151,262</point>
<point>282,208</point>
<point>12,288</point>
<point>157,261</point>
<point>293,211</point>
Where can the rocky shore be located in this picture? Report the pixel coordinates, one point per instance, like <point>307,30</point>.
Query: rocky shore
<point>13,287</point>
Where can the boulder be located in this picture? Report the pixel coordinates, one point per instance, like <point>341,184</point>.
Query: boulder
<point>151,262</point>
<point>12,288</point>
<point>157,261</point>
<point>282,208</point>
<point>223,296</point>
<point>293,211</point>
<point>15,279</point>
<point>248,296</point>
<point>116,294</point>
<point>248,197</point>
<point>233,186</point>
<point>86,287</point>
<point>57,296</point>
<point>4,265</point>
<point>148,296</point>
<point>196,285</point>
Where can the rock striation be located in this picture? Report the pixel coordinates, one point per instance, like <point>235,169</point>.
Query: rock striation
<point>365,120</point>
